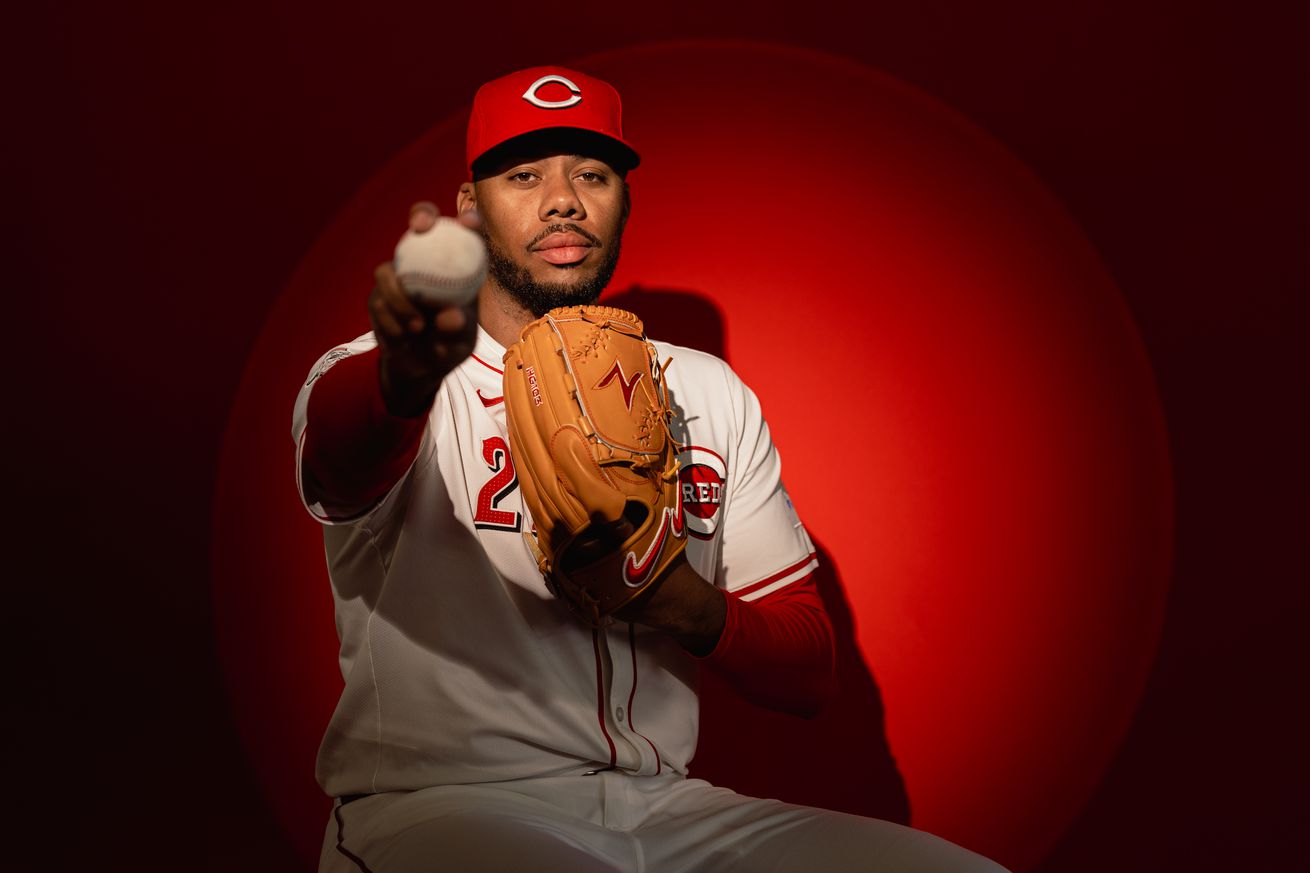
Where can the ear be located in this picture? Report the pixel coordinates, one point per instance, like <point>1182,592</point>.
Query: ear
<point>466,199</point>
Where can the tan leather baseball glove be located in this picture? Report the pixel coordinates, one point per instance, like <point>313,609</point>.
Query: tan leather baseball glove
<point>589,416</point>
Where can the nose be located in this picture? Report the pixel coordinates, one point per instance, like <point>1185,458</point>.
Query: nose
<point>559,199</point>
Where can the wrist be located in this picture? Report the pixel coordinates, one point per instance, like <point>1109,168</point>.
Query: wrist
<point>405,395</point>
<point>685,607</point>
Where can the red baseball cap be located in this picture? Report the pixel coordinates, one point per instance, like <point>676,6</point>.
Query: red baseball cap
<point>547,98</point>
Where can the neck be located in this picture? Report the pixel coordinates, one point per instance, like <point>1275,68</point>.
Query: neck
<point>501,315</point>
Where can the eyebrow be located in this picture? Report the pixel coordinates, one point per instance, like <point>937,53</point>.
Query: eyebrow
<point>510,162</point>
<point>574,157</point>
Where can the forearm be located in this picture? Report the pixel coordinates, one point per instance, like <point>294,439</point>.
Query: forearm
<point>777,652</point>
<point>355,449</point>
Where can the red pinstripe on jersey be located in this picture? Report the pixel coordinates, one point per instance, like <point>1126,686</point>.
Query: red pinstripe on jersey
<point>600,698</point>
<point>632,647</point>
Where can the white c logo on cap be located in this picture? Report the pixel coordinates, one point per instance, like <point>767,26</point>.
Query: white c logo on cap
<point>530,95</point>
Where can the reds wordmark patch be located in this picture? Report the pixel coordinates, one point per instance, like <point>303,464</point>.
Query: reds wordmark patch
<point>703,481</point>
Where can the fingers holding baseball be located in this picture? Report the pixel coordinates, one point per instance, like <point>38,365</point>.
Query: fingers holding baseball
<point>392,312</point>
<point>405,325</point>
<point>423,215</point>
<point>440,262</point>
<point>423,306</point>
<point>454,331</point>
<point>439,265</point>
<point>454,319</point>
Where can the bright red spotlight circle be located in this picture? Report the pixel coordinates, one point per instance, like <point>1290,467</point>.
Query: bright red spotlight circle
<point>967,421</point>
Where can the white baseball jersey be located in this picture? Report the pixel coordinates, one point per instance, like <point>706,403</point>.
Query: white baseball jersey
<point>459,665</point>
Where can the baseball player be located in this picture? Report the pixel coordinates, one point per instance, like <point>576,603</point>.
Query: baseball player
<point>483,726</point>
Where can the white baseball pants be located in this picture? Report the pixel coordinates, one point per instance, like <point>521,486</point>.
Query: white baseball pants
<point>611,822</point>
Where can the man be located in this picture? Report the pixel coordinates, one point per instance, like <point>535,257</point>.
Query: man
<point>482,726</point>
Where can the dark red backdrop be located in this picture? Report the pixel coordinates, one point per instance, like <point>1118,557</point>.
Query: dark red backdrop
<point>169,168</point>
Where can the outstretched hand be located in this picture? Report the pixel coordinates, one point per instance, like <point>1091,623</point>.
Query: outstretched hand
<point>419,344</point>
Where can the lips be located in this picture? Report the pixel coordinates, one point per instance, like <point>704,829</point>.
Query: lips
<point>562,248</point>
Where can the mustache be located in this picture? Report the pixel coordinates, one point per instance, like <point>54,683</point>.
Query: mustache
<point>567,228</point>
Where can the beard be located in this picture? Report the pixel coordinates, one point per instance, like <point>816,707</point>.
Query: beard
<point>541,297</point>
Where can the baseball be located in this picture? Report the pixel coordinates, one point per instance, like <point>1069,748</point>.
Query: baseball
<point>443,266</point>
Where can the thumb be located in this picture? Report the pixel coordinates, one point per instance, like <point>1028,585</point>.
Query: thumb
<point>470,218</point>
<point>422,216</point>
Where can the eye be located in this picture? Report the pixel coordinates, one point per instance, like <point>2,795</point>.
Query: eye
<point>522,176</point>
<point>592,176</point>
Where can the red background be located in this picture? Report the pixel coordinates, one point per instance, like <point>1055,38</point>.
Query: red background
<point>170,169</point>
<point>966,416</point>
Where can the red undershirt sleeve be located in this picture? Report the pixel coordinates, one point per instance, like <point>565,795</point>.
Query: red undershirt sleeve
<point>354,450</point>
<point>778,651</point>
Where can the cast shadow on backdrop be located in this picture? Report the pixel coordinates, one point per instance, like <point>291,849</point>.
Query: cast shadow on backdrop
<point>738,741</point>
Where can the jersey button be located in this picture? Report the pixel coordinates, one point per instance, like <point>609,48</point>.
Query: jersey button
<point>619,713</point>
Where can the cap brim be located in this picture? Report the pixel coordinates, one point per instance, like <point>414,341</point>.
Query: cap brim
<point>555,141</point>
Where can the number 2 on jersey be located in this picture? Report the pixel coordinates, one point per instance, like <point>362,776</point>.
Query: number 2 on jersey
<point>495,451</point>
